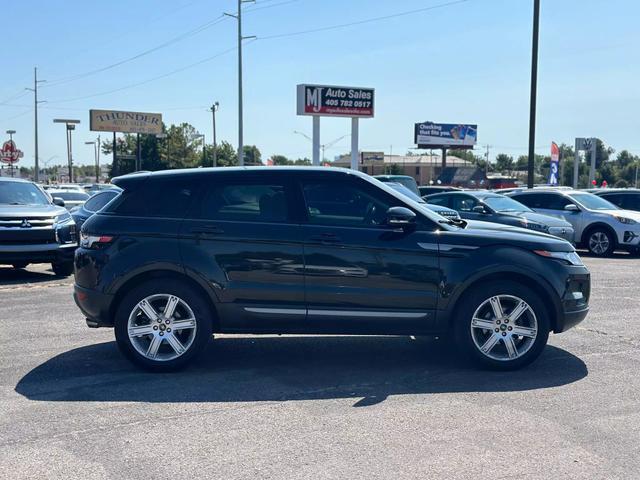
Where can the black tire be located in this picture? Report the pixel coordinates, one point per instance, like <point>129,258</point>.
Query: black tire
<point>603,235</point>
<point>62,269</point>
<point>201,312</point>
<point>474,299</point>
<point>20,265</point>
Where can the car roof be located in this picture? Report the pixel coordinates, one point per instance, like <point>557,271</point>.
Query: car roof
<point>131,178</point>
<point>599,191</point>
<point>13,179</point>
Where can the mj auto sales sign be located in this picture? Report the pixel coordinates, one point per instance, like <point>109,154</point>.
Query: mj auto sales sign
<point>333,101</point>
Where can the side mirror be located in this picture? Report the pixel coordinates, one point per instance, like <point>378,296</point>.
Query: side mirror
<point>571,208</point>
<point>479,209</point>
<point>58,201</point>
<point>400,217</point>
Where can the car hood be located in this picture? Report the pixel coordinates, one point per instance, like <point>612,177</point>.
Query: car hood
<point>633,215</point>
<point>22,211</point>
<point>486,233</point>
<point>539,218</point>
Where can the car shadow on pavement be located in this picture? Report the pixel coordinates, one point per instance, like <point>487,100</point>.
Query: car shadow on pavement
<point>247,369</point>
<point>12,276</point>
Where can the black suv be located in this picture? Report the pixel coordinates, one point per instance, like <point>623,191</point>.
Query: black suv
<point>35,228</point>
<point>180,255</point>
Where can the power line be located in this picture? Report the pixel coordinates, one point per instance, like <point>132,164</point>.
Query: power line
<point>361,22</point>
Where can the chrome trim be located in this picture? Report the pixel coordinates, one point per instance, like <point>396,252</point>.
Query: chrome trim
<point>432,247</point>
<point>277,311</point>
<point>446,247</point>
<point>351,313</point>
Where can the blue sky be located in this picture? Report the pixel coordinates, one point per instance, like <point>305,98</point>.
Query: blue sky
<point>467,62</point>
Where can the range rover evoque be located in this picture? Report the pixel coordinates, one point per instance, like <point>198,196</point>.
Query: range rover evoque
<point>180,255</point>
<point>33,229</point>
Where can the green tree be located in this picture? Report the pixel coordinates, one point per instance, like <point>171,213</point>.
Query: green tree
<point>252,155</point>
<point>504,162</point>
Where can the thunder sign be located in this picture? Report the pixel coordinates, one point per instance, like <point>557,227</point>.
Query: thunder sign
<point>332,101</point>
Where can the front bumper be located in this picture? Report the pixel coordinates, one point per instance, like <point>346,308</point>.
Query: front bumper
<point>37,253</point>
<point>575,301</point>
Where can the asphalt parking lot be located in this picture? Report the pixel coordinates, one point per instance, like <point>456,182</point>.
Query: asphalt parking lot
<point>316,407</point>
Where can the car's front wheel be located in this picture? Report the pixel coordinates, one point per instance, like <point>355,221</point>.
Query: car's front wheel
<point>502,325</point>
<point>161,325</point>
<point>601,242</point>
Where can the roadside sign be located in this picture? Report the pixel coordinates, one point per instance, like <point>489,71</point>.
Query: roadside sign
<point>366,157</point>
<point>9,153</point>
<point>445,135</point>
<point>126,122</point>
<point>334,101</point>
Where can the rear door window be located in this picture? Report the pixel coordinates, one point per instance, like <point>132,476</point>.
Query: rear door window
<point>463,203</point>
<point>548,201</point>
<point>245,201</point>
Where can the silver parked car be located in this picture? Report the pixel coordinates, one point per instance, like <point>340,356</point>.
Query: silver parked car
<point>599,225</point>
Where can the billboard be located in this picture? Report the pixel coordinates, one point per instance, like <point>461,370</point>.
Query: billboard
<point>367,157</point>
<point>449,135</point>
<point>126,122</point>
<point>333,101</point>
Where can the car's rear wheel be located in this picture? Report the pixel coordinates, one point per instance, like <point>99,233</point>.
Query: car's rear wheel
<point>502,325</point>
<point>63,269</point>
<point>162,325</point>
<point>20,265</point>
<point>601,242</point>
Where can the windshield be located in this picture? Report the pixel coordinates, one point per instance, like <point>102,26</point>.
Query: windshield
<point>70,196</point>
<point>19,193</point>
<point>407,182</point>
<point>593,202</point>
<point>405,191</point>
<point>505,204</point>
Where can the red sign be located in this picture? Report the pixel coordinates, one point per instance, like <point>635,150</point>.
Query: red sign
<point>10,153</point>
<point>555,152</point>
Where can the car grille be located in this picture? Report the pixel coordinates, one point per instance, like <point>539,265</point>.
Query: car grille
<point>17,222</point>
<point>27,236</point>
<point>449,214</point>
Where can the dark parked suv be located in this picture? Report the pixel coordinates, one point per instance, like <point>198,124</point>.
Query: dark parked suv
<point>180,255</point>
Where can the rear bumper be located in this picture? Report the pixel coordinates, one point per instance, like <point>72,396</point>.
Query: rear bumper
<point>94,305</point>
<point>37,253</point>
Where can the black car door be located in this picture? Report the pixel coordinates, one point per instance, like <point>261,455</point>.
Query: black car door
<point>242,238</point>
<point>362,276</point>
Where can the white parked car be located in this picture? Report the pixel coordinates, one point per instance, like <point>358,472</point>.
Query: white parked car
<point>599,225</point>
<point>71,198</point>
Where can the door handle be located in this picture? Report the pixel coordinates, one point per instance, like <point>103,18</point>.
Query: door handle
<point>326,238</point>
<point>207,230</point>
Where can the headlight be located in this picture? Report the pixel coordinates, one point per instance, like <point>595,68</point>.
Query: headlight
<point>571,258</point>
<point>63,217</point>
<point>625,220</point>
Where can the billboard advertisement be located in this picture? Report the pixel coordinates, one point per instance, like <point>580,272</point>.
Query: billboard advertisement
<point>333,101</point>
<point>367,157</point>
<point>555,162</point>
<point>125,122</point>
<point>449,135</point>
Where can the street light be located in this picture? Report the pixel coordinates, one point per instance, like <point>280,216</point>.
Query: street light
<point>70,126</point>
<point>214,108</point>
<point>324,145</point>
<point>96,153</point>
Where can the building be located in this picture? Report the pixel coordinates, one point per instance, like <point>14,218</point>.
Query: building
<point>424,168</point>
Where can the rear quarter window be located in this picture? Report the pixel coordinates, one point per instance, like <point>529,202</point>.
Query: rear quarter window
<point>169,198</point>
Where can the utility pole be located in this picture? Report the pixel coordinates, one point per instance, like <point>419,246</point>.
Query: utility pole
<point>70,125</point>
<point>214,109</point>
<point>486,163</point>
<point>534,87</point>
<point>238,17</point>
<point>35,118</point>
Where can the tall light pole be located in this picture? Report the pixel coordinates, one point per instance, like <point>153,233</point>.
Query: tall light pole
<point>70,125</point>
<point>10,133</point>
<point>534,88</point>
<point>35,118</point>
<point>214,108</point>
<point>96,148</point>
<point>238,17</point>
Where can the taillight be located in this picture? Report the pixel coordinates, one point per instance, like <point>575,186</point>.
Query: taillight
<point>95,241</point>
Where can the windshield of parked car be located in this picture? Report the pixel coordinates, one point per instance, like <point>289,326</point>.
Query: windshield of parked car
<point>405,191</point>
<point>505,204</point>
<point>21,193</point>
<point>70,196</point>
<point>592,202</point>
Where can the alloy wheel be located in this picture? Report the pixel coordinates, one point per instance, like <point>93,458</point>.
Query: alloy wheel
<point>599,243</point>
<point>504,327</point>
<point>161,327</point>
